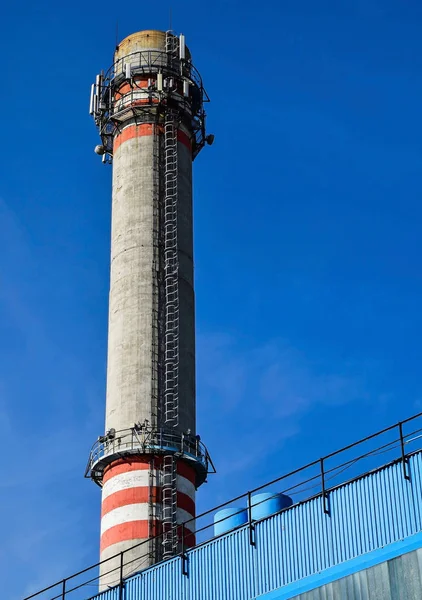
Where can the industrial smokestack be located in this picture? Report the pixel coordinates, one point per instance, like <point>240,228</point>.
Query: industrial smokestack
<point>149,108</point>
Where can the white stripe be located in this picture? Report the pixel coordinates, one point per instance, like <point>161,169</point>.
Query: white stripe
<point>140,478</point>
<point>183,516</point>
<point>125,481</point>
<point>138,512</point>
<point>186,487</point>
<point>125,514</point>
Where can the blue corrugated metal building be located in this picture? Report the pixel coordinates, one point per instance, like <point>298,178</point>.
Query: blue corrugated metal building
<point>371,522</point>
<point>358,540</point>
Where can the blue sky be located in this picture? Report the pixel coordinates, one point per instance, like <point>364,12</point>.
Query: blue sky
<point>307,236</point>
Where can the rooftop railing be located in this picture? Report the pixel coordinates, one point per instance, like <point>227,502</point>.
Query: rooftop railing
<point>319,478</point>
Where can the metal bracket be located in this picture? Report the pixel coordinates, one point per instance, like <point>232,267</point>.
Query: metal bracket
<point>324,494</point>
<point>183,555</point>
<point>121,582</point>
<point>252,540</point>
<point>403,454</point>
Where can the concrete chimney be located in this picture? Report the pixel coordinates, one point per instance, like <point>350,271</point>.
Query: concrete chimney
<point>149,109</point>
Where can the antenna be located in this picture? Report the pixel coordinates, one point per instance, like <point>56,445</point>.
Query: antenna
<point>182,46</point>
<point>170,19</point>
<point>117,34</point>
<point>92,100</point>
<point>159,82</point>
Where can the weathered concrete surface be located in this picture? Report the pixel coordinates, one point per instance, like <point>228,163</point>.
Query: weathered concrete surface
<point>133,310</point>
<point>133,288</point>
<point>132,370</point>
<point>134,351</point>
<point>135,560</point>
<point>187,405</point>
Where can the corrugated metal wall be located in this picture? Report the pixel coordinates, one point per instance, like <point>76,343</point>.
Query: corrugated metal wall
<point>396,579</point>
<point>365,514</point>
<point>112,594</point>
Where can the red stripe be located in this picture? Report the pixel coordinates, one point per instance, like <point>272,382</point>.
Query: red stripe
<point>138,530</point>
<point>142,463</point>
<point>134,131</point>
<point>139,495</point>
<point>185,502</point>
<point>135,495</point>
<point>186,471</point>
<point>125,466</point>
<point>131,132</point>
<point>134,530</point>
<point>184,139</point>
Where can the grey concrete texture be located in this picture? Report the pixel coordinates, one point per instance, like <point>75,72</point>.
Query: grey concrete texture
<point>133,284</point>
<point>397,579</point>
<point>134,560</point>
<point>134,351</point>
<point>132,345</point>
<point>187,400</point>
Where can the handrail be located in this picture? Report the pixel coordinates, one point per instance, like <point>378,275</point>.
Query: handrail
<point>323,477</point>
<point>109,111</point>
<point>146,440</point>
<point>156,59</point>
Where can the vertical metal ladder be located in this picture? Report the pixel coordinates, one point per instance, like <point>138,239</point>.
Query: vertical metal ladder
<point>169,506</point>
<point>171,276</point>
<point>154,548</point>
<point>157,235</point>
<point>171,318</point>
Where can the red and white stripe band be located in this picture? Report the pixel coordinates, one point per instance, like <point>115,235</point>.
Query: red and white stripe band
<point>146,129</point>
<point>127,497</point>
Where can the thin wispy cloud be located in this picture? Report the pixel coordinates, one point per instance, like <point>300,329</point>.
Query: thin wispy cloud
<point>257,396</point>
<point>307,249</point>
<point>42,390</point>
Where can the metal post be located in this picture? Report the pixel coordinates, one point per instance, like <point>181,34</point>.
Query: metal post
<point>251,525</point>
<point>324,493</point>
<point>403,454</point>
<point>184,557</point>
<point>121,577</point>
<point>63,589</point>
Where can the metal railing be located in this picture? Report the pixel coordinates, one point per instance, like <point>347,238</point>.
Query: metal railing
<point>141,439</point>
<point>316,479</point>
<point>150,61</point>
<point>111,110</point>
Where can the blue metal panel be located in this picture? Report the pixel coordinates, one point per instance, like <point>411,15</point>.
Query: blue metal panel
<point>163,582</point>
<point>292,545</point>
<point>415,471</point>
<point>112,594</point>
<point>364,515</point>
<point>222,569</point>
<point>371,512</point>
